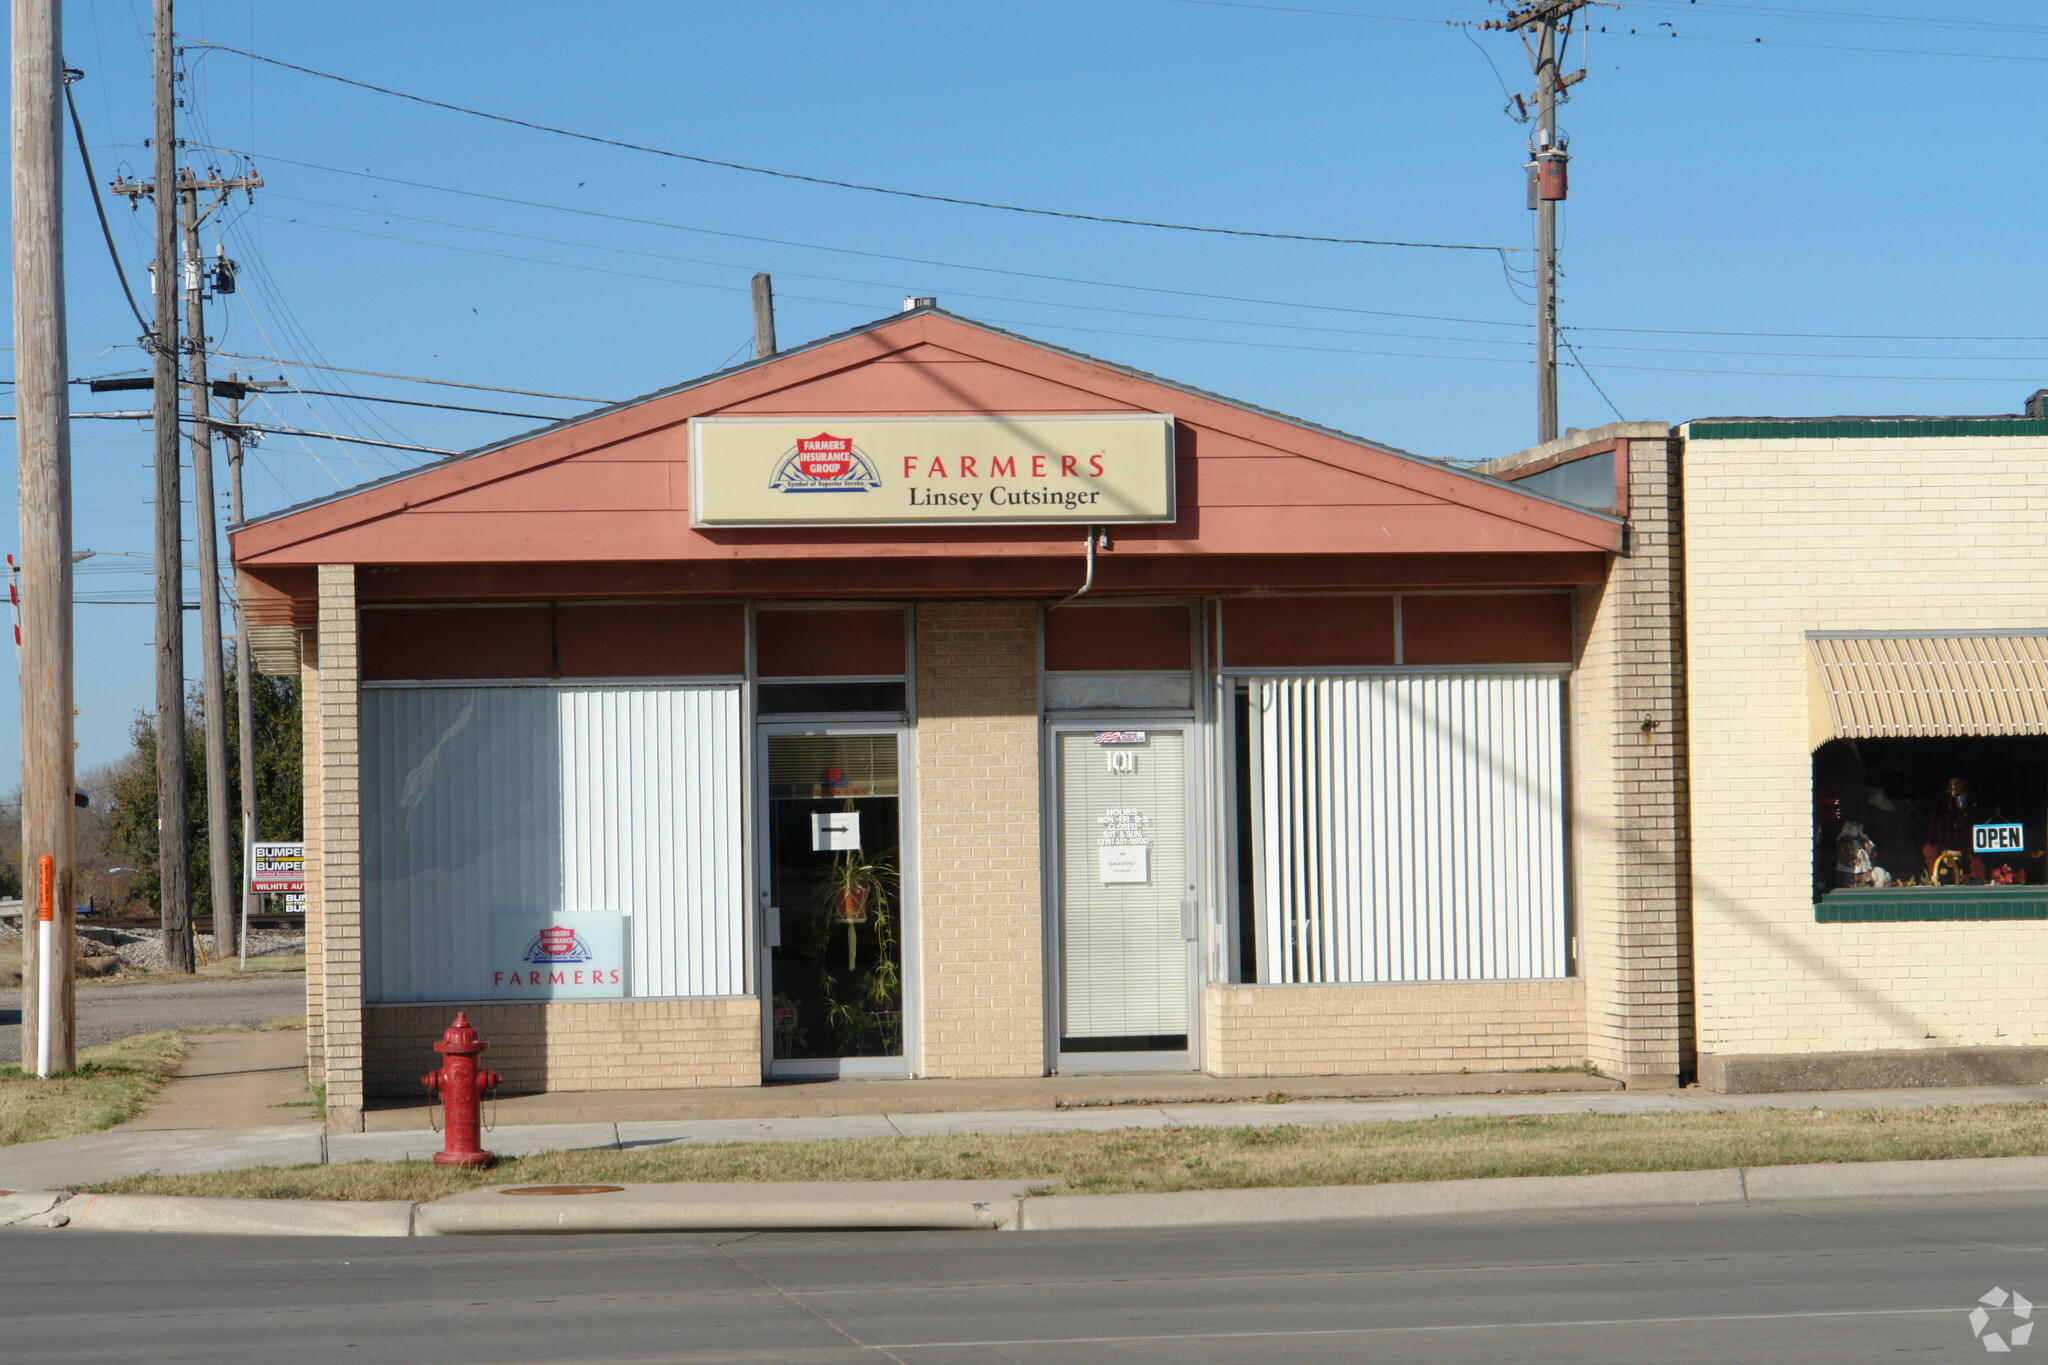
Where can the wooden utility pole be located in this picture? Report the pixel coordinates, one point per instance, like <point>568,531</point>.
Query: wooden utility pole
<point>1547,160</point>
<point>205,513</point>
<point>43,465</point>
<point>232,394</point>
<point>764,317</point>
<point>174,906</point>
<point>220,839</point>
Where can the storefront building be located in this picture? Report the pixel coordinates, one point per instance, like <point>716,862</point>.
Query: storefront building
<point>1865,637</point>
<point>1868,642</point>
<point>928,701</point>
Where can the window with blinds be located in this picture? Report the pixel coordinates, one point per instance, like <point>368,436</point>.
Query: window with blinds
<point>623,800</point>
<point>816,766</point>
<point>1403,827</point>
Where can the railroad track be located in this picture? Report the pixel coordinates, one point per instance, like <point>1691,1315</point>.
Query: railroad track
<point>204,926</point>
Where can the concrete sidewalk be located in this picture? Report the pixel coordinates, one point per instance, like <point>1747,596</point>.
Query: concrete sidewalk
<point>234,1080</point>
<point>239,1101</point>
<point>818,1099</point>
<point>131,1150</point>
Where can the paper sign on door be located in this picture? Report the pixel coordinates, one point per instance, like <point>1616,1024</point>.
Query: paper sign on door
<point>1125,863</point>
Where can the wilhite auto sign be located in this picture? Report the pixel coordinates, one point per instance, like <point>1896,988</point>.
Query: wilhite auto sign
<point>866,471</point>
<point>278,869</point>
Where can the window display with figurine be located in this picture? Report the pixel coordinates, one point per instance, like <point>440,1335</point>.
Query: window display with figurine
<point>1965,811</point>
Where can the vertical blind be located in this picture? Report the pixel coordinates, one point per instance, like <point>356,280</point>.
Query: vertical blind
<point>618,799</point>
<point>1123,962</point>
<point>1408,827</point>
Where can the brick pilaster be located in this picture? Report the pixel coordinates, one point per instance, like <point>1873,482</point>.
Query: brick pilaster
<point>981,921</point>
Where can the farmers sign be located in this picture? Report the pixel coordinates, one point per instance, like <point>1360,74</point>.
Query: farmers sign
<point>868,471</point>
<point>555,957</point>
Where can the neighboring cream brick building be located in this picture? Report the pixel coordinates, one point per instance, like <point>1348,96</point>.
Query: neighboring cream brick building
<point>1086,722</point>
<point>1878,586</point>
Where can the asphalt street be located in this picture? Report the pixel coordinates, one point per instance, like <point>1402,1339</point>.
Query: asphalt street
<point>107,1013</point>
<point>1836,1281</point>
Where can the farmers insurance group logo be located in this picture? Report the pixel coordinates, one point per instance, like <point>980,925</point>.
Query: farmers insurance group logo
<point>825,464</point>
<point>557,944</point>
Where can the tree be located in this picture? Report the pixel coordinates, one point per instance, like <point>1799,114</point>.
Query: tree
<point>279,786</point>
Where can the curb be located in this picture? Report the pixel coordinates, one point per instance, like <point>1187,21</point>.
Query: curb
<point>1422,1199</point>
<point>1004,1206</point>
<point>797,1206</point>
<point>245,1217</point>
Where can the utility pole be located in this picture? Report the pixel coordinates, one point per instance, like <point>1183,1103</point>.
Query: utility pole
<point>1547,182</point>
<point>174,906</point>
<point>172,196</point>
<point>232,392</point>
<point>764,317</point>
<point>205,515</point>
<point>43,465</point>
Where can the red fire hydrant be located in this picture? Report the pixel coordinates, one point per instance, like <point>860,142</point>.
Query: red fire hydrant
<point>460,1084</point>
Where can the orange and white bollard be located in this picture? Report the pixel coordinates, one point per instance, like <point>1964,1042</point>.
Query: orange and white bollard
<point>46,957</point>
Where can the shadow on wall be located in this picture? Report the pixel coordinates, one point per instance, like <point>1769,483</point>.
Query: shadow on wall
<point>1819,968</point>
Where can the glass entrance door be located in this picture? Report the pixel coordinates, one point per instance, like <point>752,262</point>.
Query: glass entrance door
<point>832,828</point>
<point>1127,907</point>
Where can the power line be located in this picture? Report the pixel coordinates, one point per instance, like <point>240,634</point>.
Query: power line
<point>1687,37</point>
<point>844,184</point>
<point>330,436</point>
<point>1102,284</point>
<point>388,214</point>
<point>412,378</point>
<point>1852,17</point>
<point>1581,365</point>
<point>849,303</point>
<point>874,255</point>
<point>415,403</point>
<point>106,229</point>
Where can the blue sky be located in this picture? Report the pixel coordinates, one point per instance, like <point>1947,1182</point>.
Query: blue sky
<point>1832,220</point>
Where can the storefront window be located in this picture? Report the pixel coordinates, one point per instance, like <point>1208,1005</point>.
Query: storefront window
<point>1961,811</point>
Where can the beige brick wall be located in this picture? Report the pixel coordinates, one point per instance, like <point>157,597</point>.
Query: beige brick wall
<point>576,1044</point>
<point>981,929</point>
<point>340,825</point>
<point>1364,1030</point>
<point>1786,536</point>
<point>1629,800</point>
<point>309,799</point>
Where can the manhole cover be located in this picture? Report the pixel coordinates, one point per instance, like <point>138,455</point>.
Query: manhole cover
<point>565,1189</point>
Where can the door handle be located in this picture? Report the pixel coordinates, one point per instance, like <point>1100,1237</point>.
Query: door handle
<point>1187,919</point>
<point>771,927</point>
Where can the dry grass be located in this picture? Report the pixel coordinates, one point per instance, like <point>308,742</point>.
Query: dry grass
<point>10,964</point>
<point>1149,1160</point>
<point>112,1084</point>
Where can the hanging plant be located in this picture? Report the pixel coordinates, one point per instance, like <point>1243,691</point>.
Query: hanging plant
<point>854,885</point>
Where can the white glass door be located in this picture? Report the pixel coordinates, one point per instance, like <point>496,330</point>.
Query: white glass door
<point>1126,899</point>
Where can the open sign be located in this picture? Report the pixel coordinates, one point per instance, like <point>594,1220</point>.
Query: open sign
<point>1998,839</point>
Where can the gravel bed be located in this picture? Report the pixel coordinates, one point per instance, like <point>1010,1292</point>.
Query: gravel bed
<point>143,950</point>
